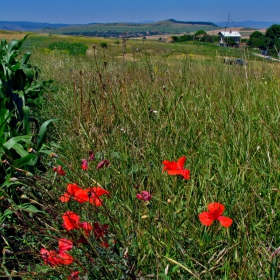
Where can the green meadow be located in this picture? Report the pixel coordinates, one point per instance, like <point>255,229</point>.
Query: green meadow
<point>137,103</point>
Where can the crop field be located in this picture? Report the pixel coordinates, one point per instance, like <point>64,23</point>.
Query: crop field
<point>153,161</point>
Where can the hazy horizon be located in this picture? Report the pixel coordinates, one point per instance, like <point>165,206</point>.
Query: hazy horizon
<point>84,12</point>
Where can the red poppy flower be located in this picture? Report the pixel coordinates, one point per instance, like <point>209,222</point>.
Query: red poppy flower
<point>64,244</point>
<point>54,258</point>
<point>59,170</point>
<point>71,220</point>
<point>71,189</point>
<point>144,196</point>
<point>84,164</point>
<point>176,168</point>
<point>65,258</point>
<point>215,213</point>
<point>90,195</point>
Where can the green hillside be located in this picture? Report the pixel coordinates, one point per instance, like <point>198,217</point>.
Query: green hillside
<point>167,26</point>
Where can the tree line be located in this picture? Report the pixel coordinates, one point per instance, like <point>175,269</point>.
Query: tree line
<point>270,41</point>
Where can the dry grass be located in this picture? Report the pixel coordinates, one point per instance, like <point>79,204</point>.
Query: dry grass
<point>11,35</point>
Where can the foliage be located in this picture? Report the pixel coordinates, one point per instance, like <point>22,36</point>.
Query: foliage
<point>20,96</point>
<point>273,32</point>
<point>199,32</point>
<point>183,38</point>
<point>270,41</point>
<point>187,38</point>
<point>258,40</point>
<point>22,146</point>
<point>104,45</point>
<point>72,48</point>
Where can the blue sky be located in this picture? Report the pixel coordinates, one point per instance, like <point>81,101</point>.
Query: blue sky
<point>87,11</point>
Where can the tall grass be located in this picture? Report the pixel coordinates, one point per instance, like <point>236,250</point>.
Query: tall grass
<point>143,107</point>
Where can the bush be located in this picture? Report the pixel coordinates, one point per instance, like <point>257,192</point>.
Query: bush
<point>104,45</point>
<point>72,48</point>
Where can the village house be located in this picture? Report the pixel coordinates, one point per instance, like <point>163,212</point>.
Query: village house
<point>229,38</point>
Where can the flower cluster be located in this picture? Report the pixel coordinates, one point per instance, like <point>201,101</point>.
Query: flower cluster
<point>71,220</point>
<point>54,258</point>
<point>215,209</point>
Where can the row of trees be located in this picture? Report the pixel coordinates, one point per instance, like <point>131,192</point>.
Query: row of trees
<point>269,41</point>
<point>200,35</point>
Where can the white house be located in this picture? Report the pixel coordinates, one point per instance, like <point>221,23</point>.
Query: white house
<point>225,36</point>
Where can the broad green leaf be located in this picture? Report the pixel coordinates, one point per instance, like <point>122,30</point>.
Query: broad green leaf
<point>28,159</point>
<point>25,58</point>
<point>20,150</point>
<point>26,126</point>
<point>10,144</point>
<point>28,72</point>
<point>6,213</point>
<point>28,207</point>
<point>43,133</point>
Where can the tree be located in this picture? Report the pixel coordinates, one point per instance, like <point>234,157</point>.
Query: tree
<point>273,36</point>
<point>273,32</point>
<point>199,32</point>
<point>258,40</point>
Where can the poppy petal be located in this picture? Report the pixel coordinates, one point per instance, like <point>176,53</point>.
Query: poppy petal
<point>99,191</point>
<point>65,197</point>
<point>174,172</point>
<point>72,188</point>
<point>64,258</point>
<point>169,165</point>
<point>205,219</point>
<point>181,162</point>
<point>82,196</point>
<point>71,220</point>
<point>225,221</point>
<point>185,173</point>
<point>65,244</point>
<point>216,209</point>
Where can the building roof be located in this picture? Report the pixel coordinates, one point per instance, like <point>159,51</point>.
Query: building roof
<point>230,33</point>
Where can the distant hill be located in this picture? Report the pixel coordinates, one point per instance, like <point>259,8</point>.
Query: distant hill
<point>192,22</point>
<point>171,24</point>
<point>28,26</point>
<point>247,23</point>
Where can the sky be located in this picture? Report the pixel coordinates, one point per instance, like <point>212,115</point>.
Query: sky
<point>109,11</point>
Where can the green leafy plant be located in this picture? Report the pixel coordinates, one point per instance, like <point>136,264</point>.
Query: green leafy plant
<point>20,96</point>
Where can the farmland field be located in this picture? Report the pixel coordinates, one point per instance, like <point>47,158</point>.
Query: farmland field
<point>133,118</point>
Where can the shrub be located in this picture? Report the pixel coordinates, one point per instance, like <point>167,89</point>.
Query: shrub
<point>104,45</point>
<point>72,48</point>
